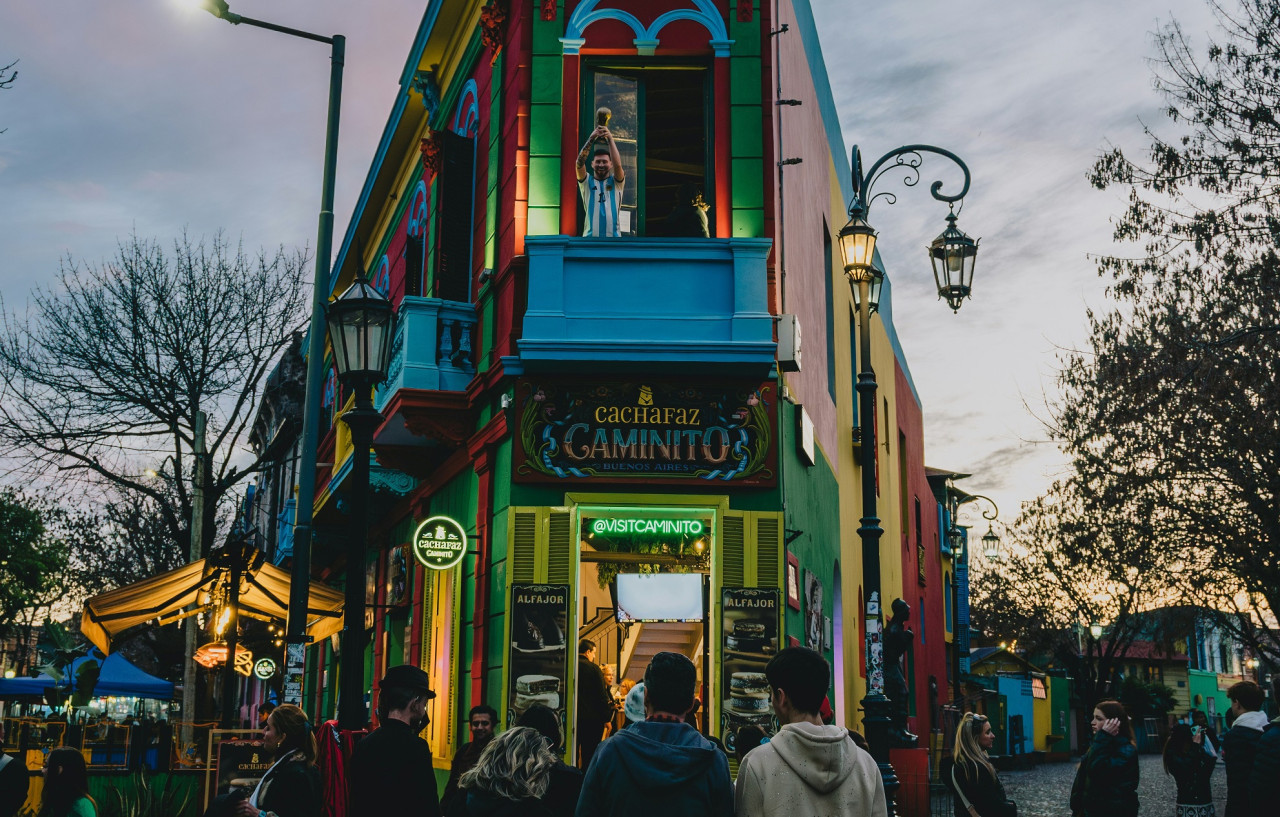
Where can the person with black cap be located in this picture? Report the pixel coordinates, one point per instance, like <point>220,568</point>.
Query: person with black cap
<point>390,771</point>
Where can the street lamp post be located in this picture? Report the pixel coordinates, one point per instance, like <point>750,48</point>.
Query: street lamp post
<point>296,639</point>
<point>360,328</point>
<point>959,537</point>
<point>952,255</point>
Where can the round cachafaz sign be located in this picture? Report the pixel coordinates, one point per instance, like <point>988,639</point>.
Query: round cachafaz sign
<point>439,543</point>
<point>264,668</point>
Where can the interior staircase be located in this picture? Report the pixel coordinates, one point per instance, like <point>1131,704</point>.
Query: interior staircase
<point>654,638</point>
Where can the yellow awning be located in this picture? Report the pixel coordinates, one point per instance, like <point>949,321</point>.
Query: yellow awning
<point>264,595</point>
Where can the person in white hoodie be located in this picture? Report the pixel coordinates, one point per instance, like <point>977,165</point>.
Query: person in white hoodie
<point>1240,745</point>
<point>807,768</point>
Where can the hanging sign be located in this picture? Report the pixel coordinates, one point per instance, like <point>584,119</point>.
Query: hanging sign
<point>439,543</point>
<point>647,431</point>
<point>264,669</point>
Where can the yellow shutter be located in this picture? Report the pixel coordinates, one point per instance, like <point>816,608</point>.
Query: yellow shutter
<point>733,549</point>
<point>559,546</point>
<point>522,545</point>
<point>768,549</point>
<point>540,545</point>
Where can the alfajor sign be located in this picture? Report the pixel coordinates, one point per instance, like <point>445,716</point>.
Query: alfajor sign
<point>439,543</point>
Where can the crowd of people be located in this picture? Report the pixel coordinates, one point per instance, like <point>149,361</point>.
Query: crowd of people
<point>658,763</point>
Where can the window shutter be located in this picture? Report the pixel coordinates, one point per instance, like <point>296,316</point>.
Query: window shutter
<point>541,544</point>
<point>768,549</point>
<point>523,545</point>
<point>733,549</point>
<point>559,546</point>
<point>454,234</point>
<point>413,250</point>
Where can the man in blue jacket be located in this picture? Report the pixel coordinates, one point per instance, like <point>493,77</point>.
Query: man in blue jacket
<point>661,766</point>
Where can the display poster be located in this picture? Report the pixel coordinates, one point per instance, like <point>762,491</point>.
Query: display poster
<point>538,662</point>
<point>397,575</point>
<point>750,638</point>
<point>646,432</point>
<point>295,667</point>
<point>370,592</point>
<point>240,762</point>
<point>813,612</point>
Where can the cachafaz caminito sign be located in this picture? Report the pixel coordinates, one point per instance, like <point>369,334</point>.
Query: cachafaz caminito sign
<point>264,669</point>
<point>439,543</point>
<point>645,432</point>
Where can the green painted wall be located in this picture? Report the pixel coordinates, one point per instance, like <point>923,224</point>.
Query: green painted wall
<point>545,125</point>
<point>811,517</point>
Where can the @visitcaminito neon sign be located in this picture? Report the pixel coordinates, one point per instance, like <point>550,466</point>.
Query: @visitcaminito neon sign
<point>439,543</point>
<point>675,527</point>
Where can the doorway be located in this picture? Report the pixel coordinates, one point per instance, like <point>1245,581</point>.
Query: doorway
<point>643,588</point>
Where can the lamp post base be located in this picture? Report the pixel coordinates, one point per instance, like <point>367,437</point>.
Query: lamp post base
<point>878,723</point>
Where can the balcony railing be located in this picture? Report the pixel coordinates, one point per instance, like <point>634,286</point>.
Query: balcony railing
<point>433,348</point>
<point>682,303</point>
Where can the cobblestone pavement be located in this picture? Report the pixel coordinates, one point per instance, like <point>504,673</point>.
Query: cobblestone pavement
<point>1045,790</point>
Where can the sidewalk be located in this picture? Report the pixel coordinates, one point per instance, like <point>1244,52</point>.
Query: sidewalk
<point>1045,790</point>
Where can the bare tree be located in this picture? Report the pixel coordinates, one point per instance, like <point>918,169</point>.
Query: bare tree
<point>103,378</point>
<point>7,75</point>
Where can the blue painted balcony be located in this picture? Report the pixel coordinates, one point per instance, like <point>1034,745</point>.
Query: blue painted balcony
<point>432,349</point>
<point>630,303</point>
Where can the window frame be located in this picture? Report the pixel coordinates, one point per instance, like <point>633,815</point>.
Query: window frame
<point>637,67</point>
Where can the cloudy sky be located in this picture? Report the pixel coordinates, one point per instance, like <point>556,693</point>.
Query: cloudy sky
<point>149,116</point>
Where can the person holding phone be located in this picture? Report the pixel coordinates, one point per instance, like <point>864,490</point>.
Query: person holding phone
<point>1191,767</point>
<point>1106,783</point>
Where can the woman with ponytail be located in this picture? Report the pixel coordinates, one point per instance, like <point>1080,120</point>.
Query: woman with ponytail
<point>1106,782</point>
<point>291,787</point>
<point>979,792</point>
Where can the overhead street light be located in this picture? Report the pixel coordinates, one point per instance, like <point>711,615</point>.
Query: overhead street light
<point>295,654</point>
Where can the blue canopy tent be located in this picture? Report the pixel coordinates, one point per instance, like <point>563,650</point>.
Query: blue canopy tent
<point>117,677</point>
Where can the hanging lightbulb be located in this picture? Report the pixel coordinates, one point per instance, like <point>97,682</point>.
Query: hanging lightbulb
<point>224,618</point>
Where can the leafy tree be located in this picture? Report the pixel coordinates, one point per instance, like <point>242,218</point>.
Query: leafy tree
<point>1144,700</point>
<point>32,558</point>
<point>107,373</point>
<point>1171,413</point>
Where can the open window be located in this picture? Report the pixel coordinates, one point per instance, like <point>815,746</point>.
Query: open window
<point>661,121</point>
<point>454,235</point>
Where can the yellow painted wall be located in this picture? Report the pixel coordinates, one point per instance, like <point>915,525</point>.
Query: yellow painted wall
<point>1042,719</point>
<point>1177,678</point>
<point>849,474</point>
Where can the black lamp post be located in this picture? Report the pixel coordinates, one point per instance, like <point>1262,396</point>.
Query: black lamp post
<point>360,329</point>
<point>300,576</point>
<point>959,537</point>
<point>951,258</point>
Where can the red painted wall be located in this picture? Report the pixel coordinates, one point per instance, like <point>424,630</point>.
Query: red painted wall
<point>930,623</point>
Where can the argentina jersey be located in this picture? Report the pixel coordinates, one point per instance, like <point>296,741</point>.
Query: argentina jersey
<point>601,200</point>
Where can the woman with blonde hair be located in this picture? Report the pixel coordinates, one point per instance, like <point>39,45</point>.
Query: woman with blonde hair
<point>291,787</point>
<point>979,792</point>
<point>1106,783</point>
<point>510,779</point>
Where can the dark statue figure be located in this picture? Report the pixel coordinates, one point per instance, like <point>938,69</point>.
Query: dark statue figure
<point>897,642</point>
